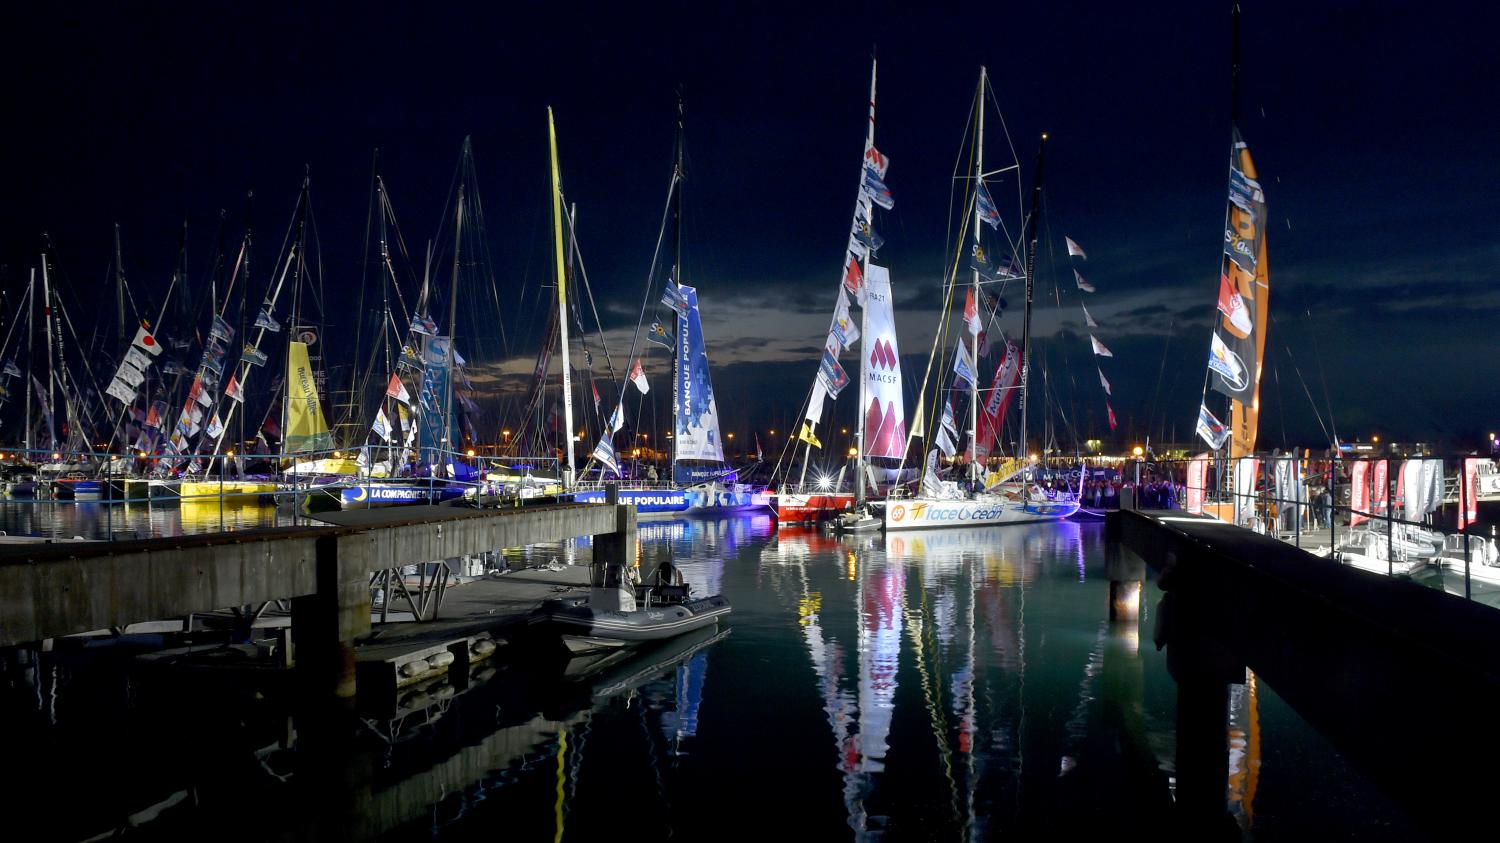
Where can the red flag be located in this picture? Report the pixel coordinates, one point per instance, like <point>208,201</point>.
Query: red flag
<point>1112,423</point>
<point>638,377</point>
<point>1469,512</point>
<point>232,390</point>
<point>397,390</point>
<point>854,279</point>
<point>971,313</point>
<point>1359,494</point>
<point>596,398</point>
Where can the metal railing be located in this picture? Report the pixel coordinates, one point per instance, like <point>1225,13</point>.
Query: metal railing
<point>1346,507</point>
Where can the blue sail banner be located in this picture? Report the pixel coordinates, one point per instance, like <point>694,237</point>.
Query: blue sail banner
<point>696,435</point>
<point>436,373</point>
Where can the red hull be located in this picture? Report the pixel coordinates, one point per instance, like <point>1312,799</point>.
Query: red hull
<point>802,509</point>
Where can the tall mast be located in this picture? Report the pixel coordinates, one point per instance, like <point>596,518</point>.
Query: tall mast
<point>30,339</point>
<point>385,315</point>
<point>1036,207</point>
<point>458,231</point>
<point>119,289</point>
<point>859,448</point>
<point>679,350</point>
<point>973,337</point>
<point>562,298</point>
<point>51,368</point>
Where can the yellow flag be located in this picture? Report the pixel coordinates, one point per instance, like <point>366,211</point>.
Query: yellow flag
<point>807,436</point>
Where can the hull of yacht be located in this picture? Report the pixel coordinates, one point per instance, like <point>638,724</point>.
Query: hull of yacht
<point>227,489</point>
<point>368,495</point>
<point>724,501</point>
<point>792,508</point>
<point>983,511</point>
<point>645,501</point>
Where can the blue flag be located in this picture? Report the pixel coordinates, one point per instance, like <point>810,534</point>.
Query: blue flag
<point>987,210</point>
<point>877,191</point>
<point>658,334</point>
<point>265,320</point>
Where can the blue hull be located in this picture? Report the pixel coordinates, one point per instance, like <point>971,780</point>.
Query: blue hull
<point>360,496</point>
<point>726,502</point>
<point>645,501</point>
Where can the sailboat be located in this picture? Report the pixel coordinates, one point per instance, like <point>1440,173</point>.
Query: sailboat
<point>1011,494</point>
<point>881,432</point>
<point>700,476</point>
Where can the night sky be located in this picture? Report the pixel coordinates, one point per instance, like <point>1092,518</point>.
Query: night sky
<point>1373,126</point>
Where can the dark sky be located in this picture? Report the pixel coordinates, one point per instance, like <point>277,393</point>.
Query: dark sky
<point>1373,126</point>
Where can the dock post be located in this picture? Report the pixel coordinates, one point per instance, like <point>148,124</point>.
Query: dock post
<point>1126,572</point>
<point>326,624</point>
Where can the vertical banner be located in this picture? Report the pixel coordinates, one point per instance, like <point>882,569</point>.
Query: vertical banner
<point>697,416</point>
<point>1469,511</point>
<point>1239,336</point>
<point>1359,492</point>
<point>1245,471</point>
<point>1197,479</point>
<point>885,415</point>
<point>1380,487</point>
<point>432,401</point>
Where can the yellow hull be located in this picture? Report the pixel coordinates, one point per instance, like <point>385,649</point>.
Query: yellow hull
<point>229,489</point>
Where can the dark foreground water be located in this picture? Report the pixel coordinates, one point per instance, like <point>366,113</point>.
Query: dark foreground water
<point>938,686</point>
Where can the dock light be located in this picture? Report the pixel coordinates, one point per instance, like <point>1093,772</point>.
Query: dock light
<point>824,482</point>
<point>1137,450</point>
<point>56,455</point>
<point>505,433</point>
<point>773,431</point>
<point>471,452</point>
<point>1375,439</point>
<point>729,435</point>
<point>844,430</point>
<point>231,455</point>
<point>1033,457</point>
<point>853,452</point>
<point>337,455</point>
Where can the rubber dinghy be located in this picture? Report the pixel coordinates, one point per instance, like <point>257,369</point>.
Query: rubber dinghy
<point>618,612</point>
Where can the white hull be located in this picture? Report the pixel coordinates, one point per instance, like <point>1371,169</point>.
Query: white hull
<point>982,511</point>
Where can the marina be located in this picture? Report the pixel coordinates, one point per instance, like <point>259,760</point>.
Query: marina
<point>463,423</point>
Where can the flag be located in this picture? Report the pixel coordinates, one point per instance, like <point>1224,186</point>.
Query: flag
<point>130,375</point>
<point>1211,429</point>
<point>397,390</point>
<point>759,456</point>
<point>1099,348</point>
<point>867,237</point>
<point>944,443</point>
<point>971,313</point>
<point>382,426</point>
<point>596,397</point>
<point>844,330</point>
<point>11,369</point>
<point>815,404</point>
<point>1232,305</point>
<point>154,415</point>
<point>1104,382</point>
<point>1074,250</point>
<point>604,452</point>
<point>854,279</point>
<point>659,335</point>
<point>137,359</point>
<point>876,161</point>
<point>146,342</point>
<point>265,319</point>
<point>979,261</point>
<point>1089,320</point>
<point>617,419</point>
<point>638,377</point>
<point>205,399</point>
<point>1244,191</point>
<point>1111,410</point>
<point>233,390</point>
<point>877,191</point>
<point>987,211</point>
<point>963,365</point>
<point>948,423</point>
<point>806,435</point>
<point>253,356</point>
<point>121,390</point>
<point>215,427</point>
<point>172,367</point>
<point>1224,361</point>
<point>220,329</point>
<point>409,358</point>
<point>1082,284</point>
<point>422,324</point>
<point>673,297</point>
<point>831,376</point>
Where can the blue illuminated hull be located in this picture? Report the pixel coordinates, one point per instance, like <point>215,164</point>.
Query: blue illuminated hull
<point>645,501</point>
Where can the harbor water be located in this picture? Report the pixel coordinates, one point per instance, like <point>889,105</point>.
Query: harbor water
<point>947,685</point>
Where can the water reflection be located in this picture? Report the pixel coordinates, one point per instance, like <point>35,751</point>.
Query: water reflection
<point>96,520</point>
<point>946,685</point>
